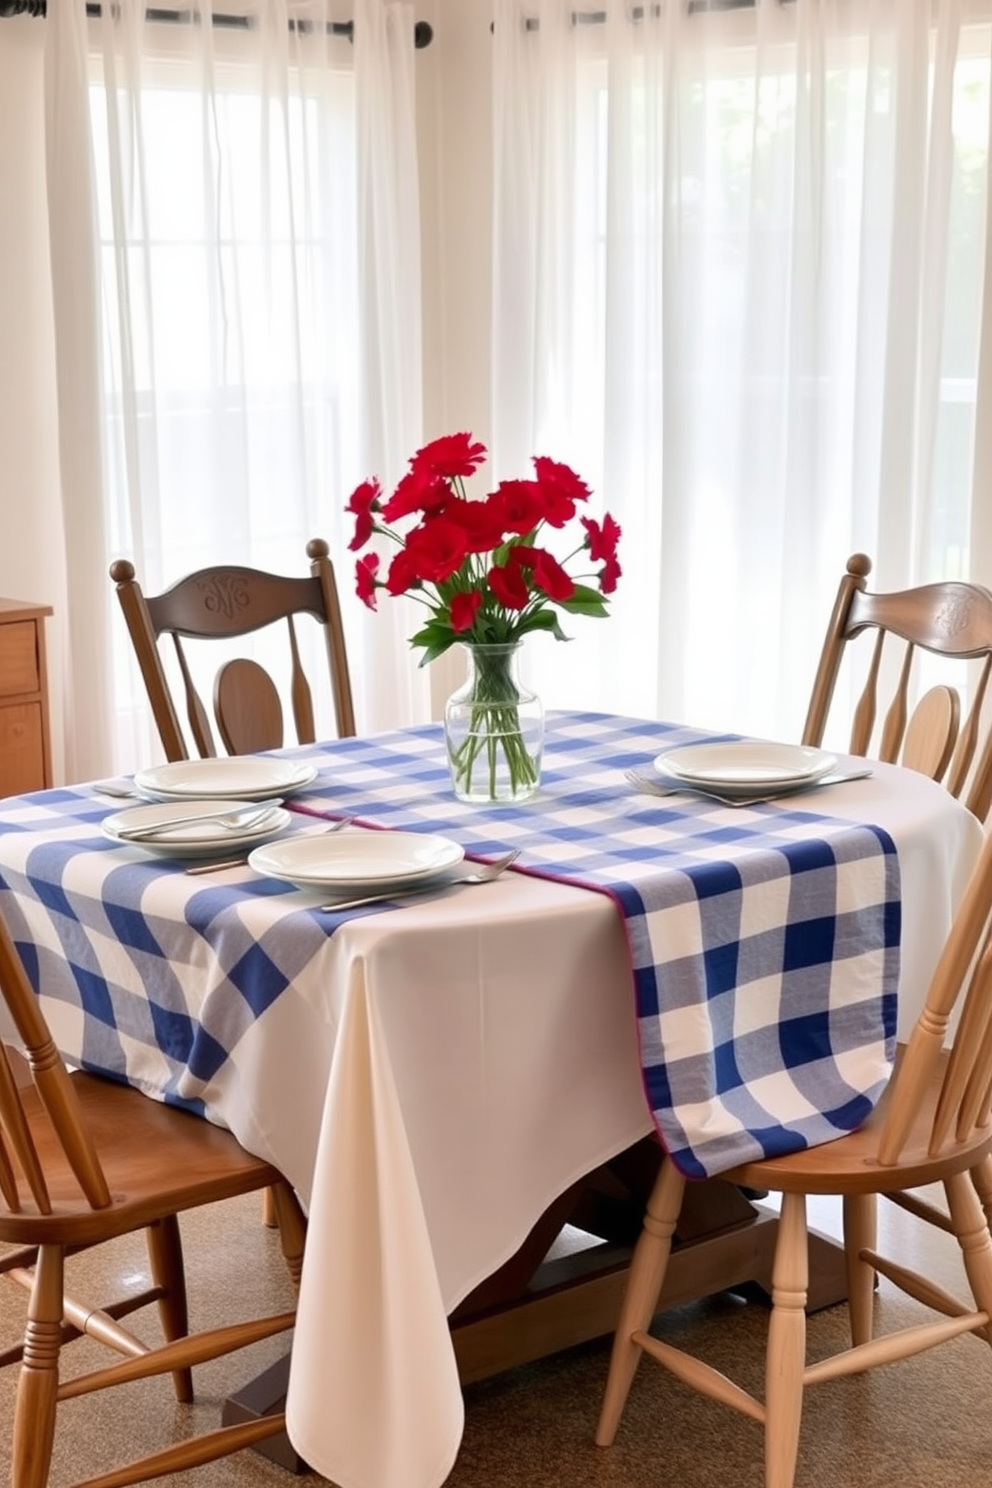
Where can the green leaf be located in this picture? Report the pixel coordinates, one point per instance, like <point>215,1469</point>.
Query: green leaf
<point>544,620</point>
<point>585,601</point>
<point>433,650</point>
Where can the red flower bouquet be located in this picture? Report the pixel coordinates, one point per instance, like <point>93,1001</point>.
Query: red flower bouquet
<point>483,570</point>
<point>481,566</point>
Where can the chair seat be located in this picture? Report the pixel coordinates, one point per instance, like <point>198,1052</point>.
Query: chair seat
<point>851,1165</point>
<point>183,1160</point>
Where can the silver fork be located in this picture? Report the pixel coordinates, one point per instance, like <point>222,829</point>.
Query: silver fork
<point>221,863</point>
<point>239,818</point>
<point>473,873</point>
<point>651,787</point>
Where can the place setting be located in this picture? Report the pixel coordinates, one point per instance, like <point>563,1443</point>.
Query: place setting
<point>207,808</point>
<point>359,868</point>
<point>740,773</point>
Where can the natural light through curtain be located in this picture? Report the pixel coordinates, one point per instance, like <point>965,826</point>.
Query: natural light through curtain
<point>739,282</point>
<point>238,176</point>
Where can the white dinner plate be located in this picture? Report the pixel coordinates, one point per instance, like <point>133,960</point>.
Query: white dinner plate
<point>240,777</point>
<point>355,859</point>
<point>191,839</point>
<point>745,765</point>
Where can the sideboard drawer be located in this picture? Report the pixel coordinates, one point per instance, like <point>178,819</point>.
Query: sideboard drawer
<point>19,669</point>
<point>22,750</point>
<point>25,731</point>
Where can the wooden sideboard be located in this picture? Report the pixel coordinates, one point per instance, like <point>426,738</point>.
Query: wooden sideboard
<point>25,731</point>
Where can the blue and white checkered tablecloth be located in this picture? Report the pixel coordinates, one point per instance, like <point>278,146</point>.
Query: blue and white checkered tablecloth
<point>764,942</point>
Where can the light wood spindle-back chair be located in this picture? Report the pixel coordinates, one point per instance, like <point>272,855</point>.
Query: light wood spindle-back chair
<point>932,1125</point>
<point>85,1160</point>
<point>225,602</point>
<point>951,620</point>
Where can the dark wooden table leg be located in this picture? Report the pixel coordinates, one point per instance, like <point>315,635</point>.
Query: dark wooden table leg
<point>547,1297</point>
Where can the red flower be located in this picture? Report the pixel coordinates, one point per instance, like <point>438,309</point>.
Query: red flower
<point>601,540</point>
<point>464,608</point>
<point>549,575</point>
<point>608,575</point>
<point>401,575</point>
<point>482,522</point>
<point>365,581</point>
<point>453,456</point>
<point>418,491</point>
<point>509,585</point>
<point>363,503</point>
<point>436,549</point>
<point>521,505</point>
<point>558,489</point>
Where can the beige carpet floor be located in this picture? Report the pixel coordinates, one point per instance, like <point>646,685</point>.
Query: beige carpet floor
<point>925,1423</point>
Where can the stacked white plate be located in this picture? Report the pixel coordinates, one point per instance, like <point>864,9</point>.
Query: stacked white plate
<point>745,768</point>
<point>183,829</point>
<point>246,777</point>
<point>355,861</point>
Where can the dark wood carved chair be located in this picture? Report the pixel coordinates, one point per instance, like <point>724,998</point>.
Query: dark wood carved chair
<point>950,620</point>
<point>225,602</point>
<point>83,1161</point>
<point>933,1126</point>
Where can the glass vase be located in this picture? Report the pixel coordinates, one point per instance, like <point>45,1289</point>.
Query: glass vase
<point>494,729</point>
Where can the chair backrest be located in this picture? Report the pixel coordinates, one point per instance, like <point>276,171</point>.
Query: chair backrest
<point>963,975</point>
<point>53,1086</point>
<point>220,603</point>
<point>951,620</point>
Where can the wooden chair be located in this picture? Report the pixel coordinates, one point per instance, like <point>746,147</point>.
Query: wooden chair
<point>932,1125</point>
<point>82,1161</point>
<point>225,602</point>
<point>952,620</point>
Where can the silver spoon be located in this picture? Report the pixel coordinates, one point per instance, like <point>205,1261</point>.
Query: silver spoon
<point>474,873</point>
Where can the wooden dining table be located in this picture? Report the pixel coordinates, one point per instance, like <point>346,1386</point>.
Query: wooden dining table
<point>452,1080</point>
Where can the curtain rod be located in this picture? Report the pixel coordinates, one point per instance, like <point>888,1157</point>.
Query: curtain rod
<point>638,12</point>
<point>423,32</point>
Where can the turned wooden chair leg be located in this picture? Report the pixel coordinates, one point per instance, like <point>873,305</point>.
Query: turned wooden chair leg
<point>269,1209</point>
<point>860,1233</point>
<point>640,1301</point>
<point>972,1232</point>
<point>37,1384</point>
<point>292,1228</point>
<point>786,1344</point>
<point>165,1258</point>
<point>982,1179</point>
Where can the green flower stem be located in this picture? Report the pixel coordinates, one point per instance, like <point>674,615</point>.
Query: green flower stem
<point>495,734</point>
<point>495,746</point>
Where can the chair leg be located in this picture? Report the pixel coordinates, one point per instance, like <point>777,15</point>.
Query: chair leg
<point>982,1179</point>
<point>860,1233</point>
<point>269,1209</point>
<point>644,1283</point>
<point>292,1228</point>
<point>786,1344</point>
<point>972,1232</point>
<point>37,1384</point>
<point>165,1258</point>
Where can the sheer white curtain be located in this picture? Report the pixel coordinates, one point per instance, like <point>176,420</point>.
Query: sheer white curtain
<point>237,315</point>
<point>739,284</point>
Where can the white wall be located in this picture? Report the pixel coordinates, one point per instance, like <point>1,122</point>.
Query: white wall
<point>31,554</point>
